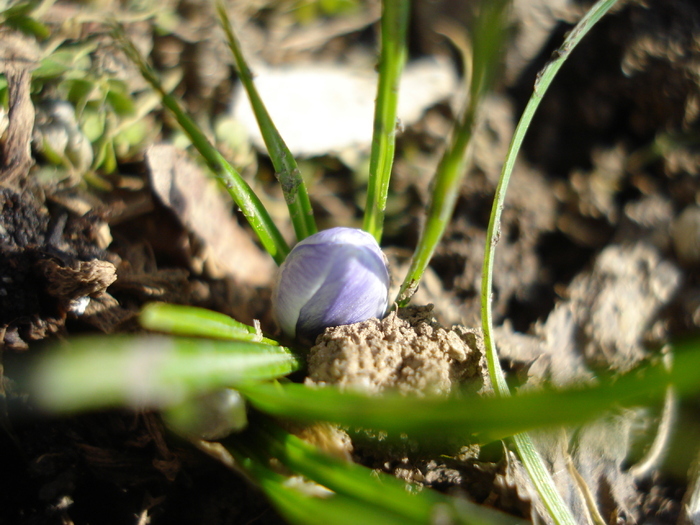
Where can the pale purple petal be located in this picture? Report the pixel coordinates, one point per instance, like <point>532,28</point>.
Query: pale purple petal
<point>337,276</point>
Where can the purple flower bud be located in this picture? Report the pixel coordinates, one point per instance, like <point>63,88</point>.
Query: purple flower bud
<point>334,277</point>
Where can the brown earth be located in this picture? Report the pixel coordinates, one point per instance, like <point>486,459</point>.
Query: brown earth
<point>597,266</point>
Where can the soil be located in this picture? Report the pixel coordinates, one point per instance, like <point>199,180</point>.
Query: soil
<point>597,267</point>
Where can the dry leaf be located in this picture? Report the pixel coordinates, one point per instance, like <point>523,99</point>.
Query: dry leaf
<point>18,56</point>
<point>194,198</point>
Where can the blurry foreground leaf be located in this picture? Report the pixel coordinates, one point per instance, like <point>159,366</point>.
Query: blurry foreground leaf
<point>19,17</point>
<point>149,371</point>
<point>66,59</point>
<point>211,416</point>
<point>483,419</point>
<point>346,492</point>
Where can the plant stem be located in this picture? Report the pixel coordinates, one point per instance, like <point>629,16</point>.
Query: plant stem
<point>242,194</point>
<point>392,58</point>
<point>526,450</point>
<point>487,38</point>
<point>286,169</point>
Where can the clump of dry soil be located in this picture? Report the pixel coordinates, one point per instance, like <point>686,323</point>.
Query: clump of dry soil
<point>408,352</point>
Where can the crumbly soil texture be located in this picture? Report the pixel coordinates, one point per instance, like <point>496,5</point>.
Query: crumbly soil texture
<point>597,265</point>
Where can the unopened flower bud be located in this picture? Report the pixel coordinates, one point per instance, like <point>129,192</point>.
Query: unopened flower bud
<point>334,277</point>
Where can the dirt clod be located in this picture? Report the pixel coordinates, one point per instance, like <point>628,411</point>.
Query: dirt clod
<point>406,351</point>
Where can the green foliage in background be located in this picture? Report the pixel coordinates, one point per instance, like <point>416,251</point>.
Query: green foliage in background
<point>101,119</point>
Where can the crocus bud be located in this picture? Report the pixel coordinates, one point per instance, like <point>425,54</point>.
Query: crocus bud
<point>334,277</point>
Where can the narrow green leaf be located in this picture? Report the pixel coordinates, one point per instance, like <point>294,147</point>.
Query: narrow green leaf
<point>488,37</point>
<point>392,58</point>
<point>286,168</point>
<point>149,371</point>
<point>482,419</point>
<point>79,91</point>
<point>344,477</point>
<point>54,65</point>
<point>304,509</point>
<point>527,452</point>
<point>299,500</point>
<point>197,322</point>
<point>372,488</point>
<point>246,199</point>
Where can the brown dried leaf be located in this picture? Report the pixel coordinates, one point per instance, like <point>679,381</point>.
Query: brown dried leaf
<point>84,278</point>
<point>18,56</point>
<point>196,201</point>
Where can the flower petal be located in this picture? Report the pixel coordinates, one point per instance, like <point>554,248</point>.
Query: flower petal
<point>337,276</point>
<point>354,290</point>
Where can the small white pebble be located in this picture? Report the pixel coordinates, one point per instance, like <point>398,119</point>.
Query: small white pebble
<point>79,305</point>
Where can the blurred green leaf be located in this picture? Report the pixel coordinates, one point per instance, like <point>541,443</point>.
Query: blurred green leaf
<point>300,507</point>
<point>337,7</point>
<point>93,123</point>
<point>79,91</point>
<point>28,26</point>
<point>108,161</point>
<point>149,371</point>
<point>373,489</point>
<point>65,59</point>
<point>119,98</point>
<point>481,419</point>
<point>303,502</point>
<point>132,137</point>
<point>19,9</point>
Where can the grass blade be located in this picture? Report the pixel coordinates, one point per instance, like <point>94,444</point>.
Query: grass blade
<point>149,371</point>
<point>488,37</point>
<point>300,501</point>
<point>305,509</point>
<point>379,497</point>
<point>528,454</point>
<point>480,419</point>
<point>198,322</point>
<point>392,58</point>
<point>246,199</point>
<point>375,489</point>
<point>342,477</point>
<point>286,168</point>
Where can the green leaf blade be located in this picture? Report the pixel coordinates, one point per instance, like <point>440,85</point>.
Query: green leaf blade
<point>484,419</point>
<point>192,321</point>
<point>287,171</point>
<point>149,371</point>
<point>380,497</point>
<point>394,26</point>
<point>487,41</point>
<point>246,199</point>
